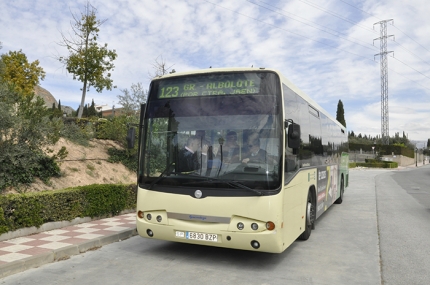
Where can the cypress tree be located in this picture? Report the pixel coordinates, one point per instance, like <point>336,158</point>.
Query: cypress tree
<point>340,114</point>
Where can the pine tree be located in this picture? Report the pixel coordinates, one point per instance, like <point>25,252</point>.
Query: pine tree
<point>85,112</point>
<point>59,105</point>
<point>92,112</point>
<point>340,114</point>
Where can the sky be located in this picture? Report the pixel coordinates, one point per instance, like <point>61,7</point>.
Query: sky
<point>327,48</point>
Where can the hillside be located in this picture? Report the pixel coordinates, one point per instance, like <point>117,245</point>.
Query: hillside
<point>50,99</point>
<point>85,166</point>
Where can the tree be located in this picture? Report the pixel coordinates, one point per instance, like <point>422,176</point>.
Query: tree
<point>131,100</point>
<point>25,129</point>
<point>340,114</point>
<point>92,112</point>
<point>89,62</point>
<point>160,68</point>
<point>85,111</point>
<point>21,74</point>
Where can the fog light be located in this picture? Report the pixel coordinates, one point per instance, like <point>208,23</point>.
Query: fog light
<point>254,226</point>
<point>159,218</point>
<point>240,226</point>
<point>255,244</point>
<point>148,217</point>
<point>149,233</point>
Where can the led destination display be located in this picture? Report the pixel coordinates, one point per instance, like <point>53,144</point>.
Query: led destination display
<point>209,85</point>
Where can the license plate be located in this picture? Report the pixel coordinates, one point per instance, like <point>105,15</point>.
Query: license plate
<point>201,236</point>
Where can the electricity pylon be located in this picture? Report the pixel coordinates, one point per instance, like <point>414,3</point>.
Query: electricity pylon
<point>384,80</point>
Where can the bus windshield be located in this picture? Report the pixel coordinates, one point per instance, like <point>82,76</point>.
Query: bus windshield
<point>220,131</point>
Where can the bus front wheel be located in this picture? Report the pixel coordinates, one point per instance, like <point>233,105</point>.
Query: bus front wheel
<point>310,217</point>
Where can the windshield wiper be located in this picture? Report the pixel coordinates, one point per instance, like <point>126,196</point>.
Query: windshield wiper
<point>234,184</point>
<point>162,175</point>
<point>240,185</point>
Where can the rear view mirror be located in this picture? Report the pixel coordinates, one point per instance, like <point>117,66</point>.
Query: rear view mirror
<point>131,133</point>
<point>294,136</point>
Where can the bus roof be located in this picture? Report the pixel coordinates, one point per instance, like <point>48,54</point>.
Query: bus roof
<point>255,69</point>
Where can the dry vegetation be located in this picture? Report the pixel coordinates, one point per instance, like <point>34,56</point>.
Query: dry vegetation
<point>85,166</point>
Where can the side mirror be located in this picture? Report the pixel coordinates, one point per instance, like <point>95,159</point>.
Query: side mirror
<point>131,133</point>
<point>294,136</point>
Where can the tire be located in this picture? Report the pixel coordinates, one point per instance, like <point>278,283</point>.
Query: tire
<point>310,217</point>
<point>342,189</point>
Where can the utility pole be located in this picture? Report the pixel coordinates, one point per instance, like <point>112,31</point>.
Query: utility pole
<point>384,79</point>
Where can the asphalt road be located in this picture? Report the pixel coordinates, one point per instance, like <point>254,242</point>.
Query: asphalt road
<point>403,206</point>
<point>380,234</point>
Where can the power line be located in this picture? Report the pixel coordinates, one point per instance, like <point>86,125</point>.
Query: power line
<point>297,34</point>
<point>359,9</point>
<point>411,67</point>
<point>394,27</point>
<point>336,35</point>
<point>411,52</point>
<point>409,79</point>
<point>380,19</point>
<point>322,43</point>
<point>411,38</point>
<point>337,16</point>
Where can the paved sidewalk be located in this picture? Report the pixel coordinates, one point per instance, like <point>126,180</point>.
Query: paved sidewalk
<point>22,253</point>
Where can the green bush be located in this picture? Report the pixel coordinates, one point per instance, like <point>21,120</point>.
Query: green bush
<point>21,165</point>
<point>80,133</point>
<point>34,209</point>
<point>124,156</point>
<point>397,149</point>
<point>379,164</point>
<point>352,165</point>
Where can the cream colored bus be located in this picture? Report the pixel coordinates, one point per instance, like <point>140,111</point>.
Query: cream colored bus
<point>236,158</point>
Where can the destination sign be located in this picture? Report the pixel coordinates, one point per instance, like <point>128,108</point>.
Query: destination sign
<point>209,85</point>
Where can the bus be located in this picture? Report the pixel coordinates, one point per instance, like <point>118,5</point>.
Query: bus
<point>222,196</point>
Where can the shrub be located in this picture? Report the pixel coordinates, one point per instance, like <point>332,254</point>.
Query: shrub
<point>78,133</point>
<point>21,165</point>
<point>34,209</point>
<point>124,156</point>
<point>379,164</point>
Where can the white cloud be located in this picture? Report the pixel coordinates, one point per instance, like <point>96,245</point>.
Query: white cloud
<point>288,36</point>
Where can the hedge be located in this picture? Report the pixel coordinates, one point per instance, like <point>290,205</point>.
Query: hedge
<point>383,149</point>
<point>34,209</point>
<point>380,164</point>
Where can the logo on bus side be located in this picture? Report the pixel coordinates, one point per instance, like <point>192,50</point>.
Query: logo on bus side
<point>192,217</point>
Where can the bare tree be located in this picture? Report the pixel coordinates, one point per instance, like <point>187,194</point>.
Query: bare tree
<point>160,68</point>
<point>131,100</point>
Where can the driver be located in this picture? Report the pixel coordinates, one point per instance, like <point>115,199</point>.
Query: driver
<point>255,153</point>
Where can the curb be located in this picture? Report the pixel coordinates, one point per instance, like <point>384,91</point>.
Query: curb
<point>62,253</point>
